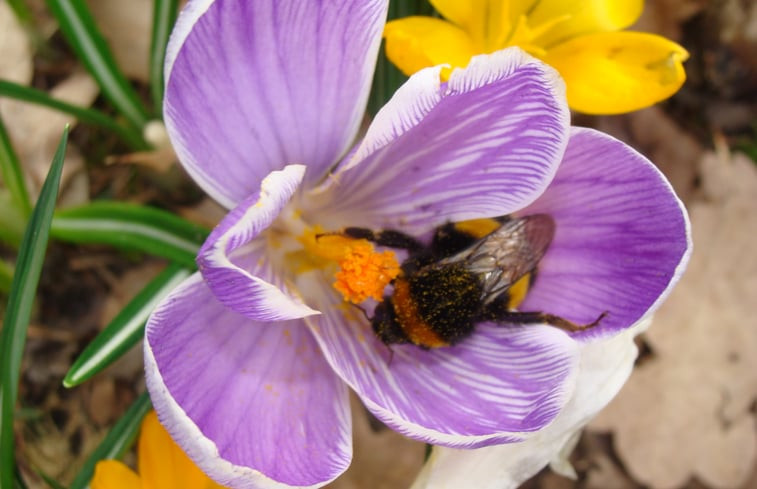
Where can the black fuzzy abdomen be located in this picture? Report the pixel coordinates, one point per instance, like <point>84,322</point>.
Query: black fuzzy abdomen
<point>448,299</point>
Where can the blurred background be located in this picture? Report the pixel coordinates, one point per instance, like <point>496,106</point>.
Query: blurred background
<point>686,418</point>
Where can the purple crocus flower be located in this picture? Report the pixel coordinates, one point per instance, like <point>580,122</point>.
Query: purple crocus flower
<point>249,362</point>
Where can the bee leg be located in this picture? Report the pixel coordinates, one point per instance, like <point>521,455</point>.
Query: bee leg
<point>389,238</point>
<point>391,354</point>
<point>365,313</point>
<point>544,318</point>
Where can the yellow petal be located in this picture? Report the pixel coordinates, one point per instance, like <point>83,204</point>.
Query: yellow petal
<point>581,17</point>
<point>413,43</point>
<point>461,13</point>
<point>163,464</point>
<point>616,72</point>
<point>485,21</point>
<point>112,474</point>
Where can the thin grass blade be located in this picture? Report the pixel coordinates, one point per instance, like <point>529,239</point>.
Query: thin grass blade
<point>79,28</point>
<point>13,177</point>
<point>116,442</point>
<point>163,18</point>
<point>21,10</point>
<point>50,481</point>
<point>23,290</point>
<point>126,329</point>
<point>18,481</point>
<point>82,114</point>
<point>6,276</point>
<point>131,227</point>
<point>12,220</point>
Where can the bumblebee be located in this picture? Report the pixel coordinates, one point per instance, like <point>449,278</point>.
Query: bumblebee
<point>471,272</point>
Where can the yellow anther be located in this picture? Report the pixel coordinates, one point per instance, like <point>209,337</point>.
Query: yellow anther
<point>364,272</point>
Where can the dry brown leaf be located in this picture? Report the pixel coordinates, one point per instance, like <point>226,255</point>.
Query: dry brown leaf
<point>383,460</point>
<point>15,49</point>
<point>125,287</point>
<point>604,474</point>
<point>35,132</point>
<point>101,402</point>
<point>665,17</point>
<point>15,60</point>
<point>738,20</point>
<point>207,213</point>
<point>123,290</point>
<point>686,412</point>
<point>160,160</point>
<point>127,28</point>
<point>44,22</point>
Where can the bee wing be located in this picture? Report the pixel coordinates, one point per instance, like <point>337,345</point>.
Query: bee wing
<point>508,253</point>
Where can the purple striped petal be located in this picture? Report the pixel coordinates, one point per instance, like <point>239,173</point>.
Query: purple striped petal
<point>234,264</point>
<point>486,143</point>
<point>622,238</point>
<point>253,86</point>
<point>497,386</point>
<point>254,405</point>
<point>605,367</point>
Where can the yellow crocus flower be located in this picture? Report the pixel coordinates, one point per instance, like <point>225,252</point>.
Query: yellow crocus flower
<point>162,465</point>
<point>606,70</point>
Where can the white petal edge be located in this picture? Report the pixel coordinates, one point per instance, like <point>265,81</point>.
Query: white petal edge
<point>592,335</point>
<point>185,432</point>
<point>406,108</point>
<point>276,305</point>
<point>684,263</point>
<point>605,366</point>
<point>327,302</point>
<point>188,17</point>
<point>424,90</point>
<point>434,437</point>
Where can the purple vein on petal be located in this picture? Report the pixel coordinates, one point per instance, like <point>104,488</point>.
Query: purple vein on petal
<point>485,144</point>
<point>253,86</point>
<point>238,287</point>
<point>253,404</point>
<point>622,236</point>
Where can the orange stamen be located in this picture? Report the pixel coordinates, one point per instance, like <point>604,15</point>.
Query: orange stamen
<point>364,272</point>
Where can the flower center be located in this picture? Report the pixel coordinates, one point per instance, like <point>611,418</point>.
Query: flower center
<point>522,33</point>
<point>362,272</point>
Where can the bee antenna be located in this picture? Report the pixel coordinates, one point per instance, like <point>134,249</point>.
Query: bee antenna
<point>391,355</point>
<point>365,313</point>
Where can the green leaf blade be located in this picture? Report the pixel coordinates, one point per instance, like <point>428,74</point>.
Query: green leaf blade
<point>387,78</point>
<point>6,276</point>
<point>22,11</point>
<point>12,220</point>
<point>13,177</point>
<point>83,114</point>
<point>131,227</point>
<point>79,28</point>
<point>16,322</point>
<point>126,329</point>
<point>163,18</point>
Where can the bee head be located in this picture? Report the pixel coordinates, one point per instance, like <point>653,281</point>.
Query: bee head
<point>385,324</point>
